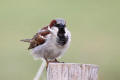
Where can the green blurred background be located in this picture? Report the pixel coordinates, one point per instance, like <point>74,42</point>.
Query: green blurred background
<point>94,24</point>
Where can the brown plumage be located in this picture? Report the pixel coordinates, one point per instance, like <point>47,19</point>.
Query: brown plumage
<point>38,38</point>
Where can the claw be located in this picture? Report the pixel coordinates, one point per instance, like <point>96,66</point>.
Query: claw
<point>54,61</point>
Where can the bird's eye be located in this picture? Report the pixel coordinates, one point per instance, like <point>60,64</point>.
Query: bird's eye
<point>60,25</point>
<point>57,25</point>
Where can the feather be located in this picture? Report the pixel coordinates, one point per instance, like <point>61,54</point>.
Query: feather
<point>26,40</point>
<point>38,39</point>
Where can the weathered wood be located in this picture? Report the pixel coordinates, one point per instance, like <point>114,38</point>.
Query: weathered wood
<point>72,71</point>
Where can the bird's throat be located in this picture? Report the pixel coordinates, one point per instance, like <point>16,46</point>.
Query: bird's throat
<point>62,39</point>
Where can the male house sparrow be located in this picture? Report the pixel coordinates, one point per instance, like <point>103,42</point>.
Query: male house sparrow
<point>50,42</point>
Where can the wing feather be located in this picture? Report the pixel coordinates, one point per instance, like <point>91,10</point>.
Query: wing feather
<point>39,38</point>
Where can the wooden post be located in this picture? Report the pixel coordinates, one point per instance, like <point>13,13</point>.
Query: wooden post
<point>72,71</point>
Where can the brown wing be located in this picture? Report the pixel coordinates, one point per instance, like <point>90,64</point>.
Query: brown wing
<point>39,38</point>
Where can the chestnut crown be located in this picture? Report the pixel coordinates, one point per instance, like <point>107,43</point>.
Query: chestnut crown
<point>60,23</point>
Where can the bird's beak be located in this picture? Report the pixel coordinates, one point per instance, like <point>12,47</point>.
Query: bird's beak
<point>62,26</point>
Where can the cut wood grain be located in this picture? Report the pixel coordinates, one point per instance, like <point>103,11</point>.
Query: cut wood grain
<point>72,71</point>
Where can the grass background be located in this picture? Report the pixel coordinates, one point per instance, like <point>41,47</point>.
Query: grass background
<point>94,24</point>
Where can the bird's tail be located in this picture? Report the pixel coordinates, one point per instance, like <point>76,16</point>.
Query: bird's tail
<point>39,73</point>
<point>26,40</point>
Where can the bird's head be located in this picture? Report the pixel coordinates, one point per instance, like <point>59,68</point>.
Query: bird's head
<point>58,27</point>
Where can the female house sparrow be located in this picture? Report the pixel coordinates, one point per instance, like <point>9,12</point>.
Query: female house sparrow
<point>50,42</point>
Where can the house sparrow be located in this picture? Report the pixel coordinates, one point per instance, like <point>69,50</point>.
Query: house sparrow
<point>50,42</point>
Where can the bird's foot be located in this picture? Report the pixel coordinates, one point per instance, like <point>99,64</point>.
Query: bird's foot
<point>52,61</point>
<point>56,61</point>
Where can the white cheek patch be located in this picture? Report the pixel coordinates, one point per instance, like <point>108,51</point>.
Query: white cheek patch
<point>54,30</point>
<point>67,33</point>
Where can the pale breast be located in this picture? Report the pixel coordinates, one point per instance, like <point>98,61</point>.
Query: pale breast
<point>47,50</point>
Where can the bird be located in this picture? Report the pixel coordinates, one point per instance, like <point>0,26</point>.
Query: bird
<point>50,43</point>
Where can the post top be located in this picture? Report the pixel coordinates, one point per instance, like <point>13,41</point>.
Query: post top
<point>78,64</point>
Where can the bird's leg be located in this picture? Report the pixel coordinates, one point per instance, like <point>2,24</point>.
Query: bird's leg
<point>56,61</point>
<point>47,62</point>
